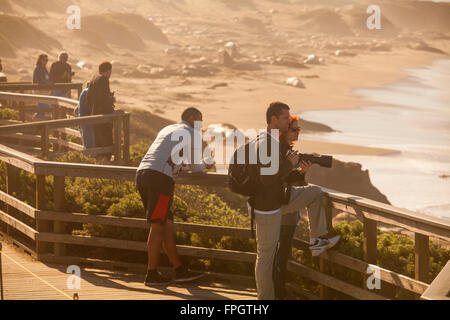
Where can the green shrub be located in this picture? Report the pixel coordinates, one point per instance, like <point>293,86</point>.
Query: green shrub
<point>9,114</point>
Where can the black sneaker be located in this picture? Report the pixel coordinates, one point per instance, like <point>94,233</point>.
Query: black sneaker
<point>182,274</point>
<point>154,278</point>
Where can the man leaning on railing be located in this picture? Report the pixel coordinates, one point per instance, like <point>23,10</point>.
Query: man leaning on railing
<point>155,182</point>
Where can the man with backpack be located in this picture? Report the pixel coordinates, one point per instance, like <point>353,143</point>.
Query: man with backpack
<point>265,187</point>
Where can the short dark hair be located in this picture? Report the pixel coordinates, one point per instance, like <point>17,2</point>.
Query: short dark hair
<point>189,112</point>
<point>275,109</point>
<point>104,66</point>
<point>41,57</point>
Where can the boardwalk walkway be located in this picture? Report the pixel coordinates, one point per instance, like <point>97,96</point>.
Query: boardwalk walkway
<point>49,282</point>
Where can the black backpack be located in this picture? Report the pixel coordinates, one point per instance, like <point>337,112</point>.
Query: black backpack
<point>242,179</point>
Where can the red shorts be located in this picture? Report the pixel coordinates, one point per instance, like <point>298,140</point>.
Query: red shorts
<point>156,190</point>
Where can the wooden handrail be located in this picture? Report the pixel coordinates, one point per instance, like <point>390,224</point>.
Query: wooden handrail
<point>32,98</point>
<point>27,86</point>
<point>409,220</point>
<point>21,87</point>
<point>60,123</point>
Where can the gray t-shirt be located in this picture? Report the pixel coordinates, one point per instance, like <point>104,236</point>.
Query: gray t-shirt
<point>168,144</point>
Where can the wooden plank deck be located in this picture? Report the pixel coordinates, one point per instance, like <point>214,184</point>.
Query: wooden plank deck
<point>20,284</point>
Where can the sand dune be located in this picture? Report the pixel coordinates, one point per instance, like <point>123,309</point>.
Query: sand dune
<point>143,27</point>
<point>238,4</point>
<point>323,20</point>
<point>254,24</point>
<point>17,33</point>
<point>5,6</point>
<point>120,29</point>
<point>112,31</point>
<point>419,15</point>
<point>356,17</point>
<point>43,5</point>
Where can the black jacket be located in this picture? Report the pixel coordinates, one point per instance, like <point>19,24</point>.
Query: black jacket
<point>60,72</point>
<point>271,191</point>
<point>99,96</point>
<point>295,177</point>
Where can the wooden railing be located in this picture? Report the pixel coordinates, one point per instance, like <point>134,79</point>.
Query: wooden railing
<point>50,235</point>
<point>28,87</point>
<point>62,127</point>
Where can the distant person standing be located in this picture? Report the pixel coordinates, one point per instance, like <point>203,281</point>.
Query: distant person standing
<point>41,76</point>
<point>61,72</point>
<point>87,130</point>
<point>101,100</point>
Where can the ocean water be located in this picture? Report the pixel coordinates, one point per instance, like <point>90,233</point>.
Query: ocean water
<point>415,120</point>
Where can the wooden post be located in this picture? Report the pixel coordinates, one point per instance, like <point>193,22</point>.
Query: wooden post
<point>56,134</point>
<point>117,140</point>
<point>422,257</point>
<point>11,187</point>
<point>42,225</point>
<point>324,291</point>
<point>370,241</point>
<point>324,264</point>
<point>79,90</point>
<point>44,141</point>
<point>22,111</point>
<point>59,249</point>
<point>1,274</point>
<point>369,245</point>
<point>126,138</point>
<point>63,115</point>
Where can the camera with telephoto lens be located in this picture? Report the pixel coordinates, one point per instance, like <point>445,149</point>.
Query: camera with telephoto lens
<point>323,161</point>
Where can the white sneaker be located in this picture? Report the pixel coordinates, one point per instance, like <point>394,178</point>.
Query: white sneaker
<point>321,244</point>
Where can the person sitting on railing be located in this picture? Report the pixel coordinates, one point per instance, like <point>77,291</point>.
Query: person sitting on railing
<point>155,182</point>
<point>41,76</point>
<point>61,72</point>
<point>101,100</point>
<point>299,195</point>
<point>87,130</point>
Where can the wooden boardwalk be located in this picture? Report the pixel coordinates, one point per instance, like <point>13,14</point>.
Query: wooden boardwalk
<point>49,282</point>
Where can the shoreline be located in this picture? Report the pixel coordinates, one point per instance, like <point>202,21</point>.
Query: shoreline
<point>342,96</point>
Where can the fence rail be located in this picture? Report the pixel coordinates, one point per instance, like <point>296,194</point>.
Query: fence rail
<point>37,134</point>
<point>23,87</point>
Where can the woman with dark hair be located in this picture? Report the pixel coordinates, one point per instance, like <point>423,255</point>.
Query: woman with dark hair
<point>41,76</point>
<point>299,195</point>
<point>289,220</point>
<point>40,73</point>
